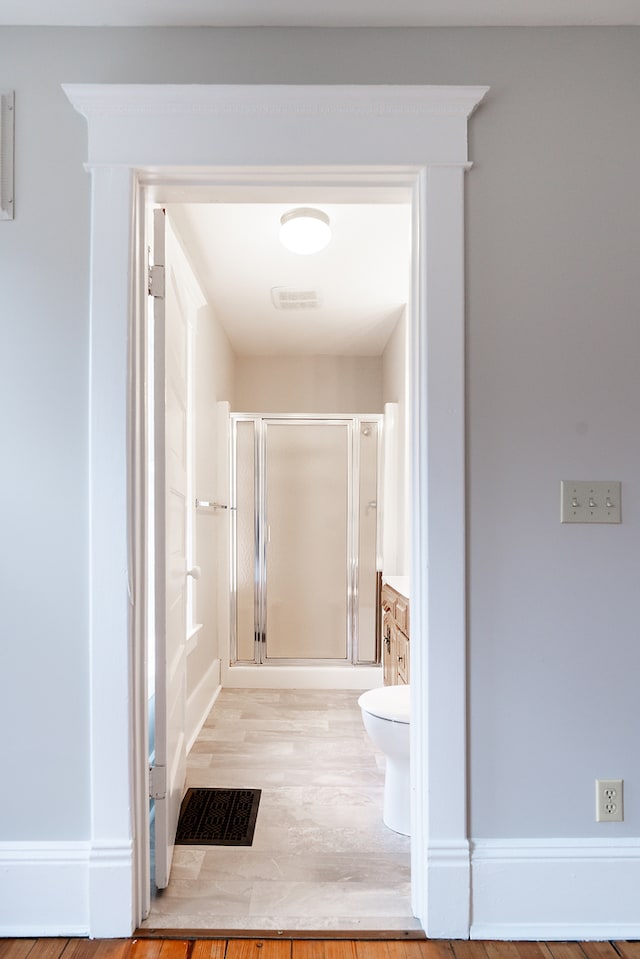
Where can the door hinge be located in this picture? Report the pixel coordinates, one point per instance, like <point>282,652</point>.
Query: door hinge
<point>157,782</point>
<point>156,282</point>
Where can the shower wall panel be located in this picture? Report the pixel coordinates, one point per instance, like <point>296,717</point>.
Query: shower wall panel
<point>245,541</point>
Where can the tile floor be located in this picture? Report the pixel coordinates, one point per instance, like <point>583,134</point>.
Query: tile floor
<point>321,856</point>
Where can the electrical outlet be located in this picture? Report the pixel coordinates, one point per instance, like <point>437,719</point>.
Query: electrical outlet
<point>609,800</point>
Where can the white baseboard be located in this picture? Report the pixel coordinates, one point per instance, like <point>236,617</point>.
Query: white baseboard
<point>43,889</point>
<point>444,913</point>
<point>555,889</point>
<point>200,701</point>
<point>64,889</point>
<point>110,890</point>
<point>301,677</point>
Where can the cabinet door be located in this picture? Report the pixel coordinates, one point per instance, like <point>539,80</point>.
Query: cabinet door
<point>389,658</point>
<point>402,657</point>
<point>402,615</point>
<point>388,601</point>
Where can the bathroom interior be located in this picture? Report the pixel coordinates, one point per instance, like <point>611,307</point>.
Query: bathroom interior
<point>297,545</point>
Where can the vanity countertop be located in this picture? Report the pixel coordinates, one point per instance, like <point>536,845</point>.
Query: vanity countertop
<point>399,583</point>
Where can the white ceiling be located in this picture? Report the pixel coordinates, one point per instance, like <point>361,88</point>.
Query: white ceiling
<point>323,13</point>
<point>362,277</point>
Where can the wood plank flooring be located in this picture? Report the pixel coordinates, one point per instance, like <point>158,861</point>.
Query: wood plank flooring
<point>295,948</point>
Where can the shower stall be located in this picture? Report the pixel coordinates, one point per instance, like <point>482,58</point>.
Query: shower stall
<point>305,540</point>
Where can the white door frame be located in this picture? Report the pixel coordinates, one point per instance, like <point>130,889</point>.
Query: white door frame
<point>414,138</point>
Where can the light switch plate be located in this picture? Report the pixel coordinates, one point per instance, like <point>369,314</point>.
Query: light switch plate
<point>589,501</point>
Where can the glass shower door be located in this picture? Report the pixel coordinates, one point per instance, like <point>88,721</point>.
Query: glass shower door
<point>307,539</point>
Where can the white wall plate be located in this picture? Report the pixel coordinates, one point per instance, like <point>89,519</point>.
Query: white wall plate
<point>590,501</point>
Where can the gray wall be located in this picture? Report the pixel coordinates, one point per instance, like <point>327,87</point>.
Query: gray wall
<point>553,392</point>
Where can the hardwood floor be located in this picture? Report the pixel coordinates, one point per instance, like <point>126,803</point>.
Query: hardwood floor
<point>189,948</point>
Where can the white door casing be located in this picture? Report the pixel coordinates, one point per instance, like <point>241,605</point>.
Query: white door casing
<point>155,140</point>
<point>171,343</point>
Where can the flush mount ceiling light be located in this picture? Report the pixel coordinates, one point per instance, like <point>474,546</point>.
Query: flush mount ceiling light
<point>305,230</point>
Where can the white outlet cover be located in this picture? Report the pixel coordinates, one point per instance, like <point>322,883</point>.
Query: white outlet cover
<point>609,800</point>
<point>590,501</point>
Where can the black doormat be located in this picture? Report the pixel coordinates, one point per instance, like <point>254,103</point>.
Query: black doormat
<point>218,817</point>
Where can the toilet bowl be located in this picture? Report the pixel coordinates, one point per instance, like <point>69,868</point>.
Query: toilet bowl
<point>385,714</point>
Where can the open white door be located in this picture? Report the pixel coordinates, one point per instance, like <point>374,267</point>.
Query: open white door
<point>171,475</point>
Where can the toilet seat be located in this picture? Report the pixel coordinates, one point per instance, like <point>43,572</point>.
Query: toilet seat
<point>388,702</point>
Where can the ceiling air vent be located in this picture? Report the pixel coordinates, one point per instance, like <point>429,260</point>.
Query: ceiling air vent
<point>287,298</point>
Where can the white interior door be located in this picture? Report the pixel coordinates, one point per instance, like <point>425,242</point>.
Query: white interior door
<point>171,477</point>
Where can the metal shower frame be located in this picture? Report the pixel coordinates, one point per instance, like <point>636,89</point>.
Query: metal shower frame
<point>354,422</point>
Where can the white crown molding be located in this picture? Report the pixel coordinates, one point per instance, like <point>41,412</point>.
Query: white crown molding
<point>96,100</point>
<point>212,125</point>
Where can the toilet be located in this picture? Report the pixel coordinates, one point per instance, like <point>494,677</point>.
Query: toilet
<point>385,714</point>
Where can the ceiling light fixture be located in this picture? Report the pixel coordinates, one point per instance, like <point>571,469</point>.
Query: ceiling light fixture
<point>305,230</point>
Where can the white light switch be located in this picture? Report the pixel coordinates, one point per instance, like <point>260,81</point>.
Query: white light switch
<point>584,501</point>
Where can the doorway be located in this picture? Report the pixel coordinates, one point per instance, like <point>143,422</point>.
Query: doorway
<point>291,766</point>
<point>321,184</point>
<point>313,469</point>
<point>371,135</point>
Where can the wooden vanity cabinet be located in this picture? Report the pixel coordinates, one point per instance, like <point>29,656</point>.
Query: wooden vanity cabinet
<point>395,637</point>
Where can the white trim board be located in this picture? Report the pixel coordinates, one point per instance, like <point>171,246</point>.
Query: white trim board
<point>201,700</point>
<point>301,677</point>
<point>148,141</point>
<point>555,889</point>
<point>46,887</point>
